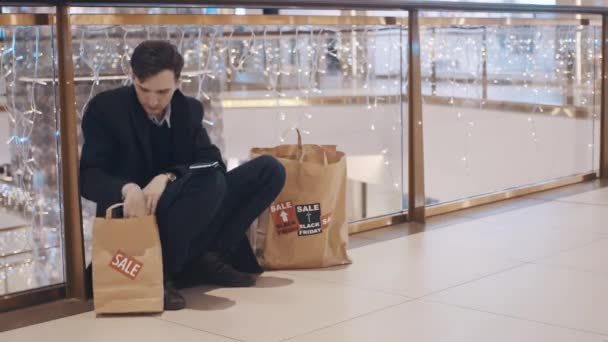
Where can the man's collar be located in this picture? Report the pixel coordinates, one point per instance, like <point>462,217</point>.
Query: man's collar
<point>166,117</point>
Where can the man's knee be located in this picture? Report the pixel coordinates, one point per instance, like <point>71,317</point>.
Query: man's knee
<point>274,172</point>
<point>212,184</point>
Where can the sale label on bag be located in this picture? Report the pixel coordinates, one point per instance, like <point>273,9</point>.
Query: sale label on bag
<point>126,265</point>
<point>284,217</point>
<point>309,216</point>
<point>306,219</point>
<point>326,220</point>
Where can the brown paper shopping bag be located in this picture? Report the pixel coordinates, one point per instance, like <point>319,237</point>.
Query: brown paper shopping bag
<point>127,265</point>
<point>305,227</point>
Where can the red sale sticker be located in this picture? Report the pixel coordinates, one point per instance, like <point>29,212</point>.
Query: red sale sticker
<point>126,265</point>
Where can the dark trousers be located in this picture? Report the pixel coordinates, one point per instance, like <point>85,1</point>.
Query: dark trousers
<point>212,210</point>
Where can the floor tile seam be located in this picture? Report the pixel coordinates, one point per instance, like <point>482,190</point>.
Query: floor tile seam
<point>410,234</point>
<point>492,274</point>
<point>571,268</point>
<point>581,203</point>
<point>349,319</point>
<point>471,308</point>
<point>350,285</point>
<point>504,210</point>
<point>503,225</point>
<point>196,329</point>
<point>566,250</point>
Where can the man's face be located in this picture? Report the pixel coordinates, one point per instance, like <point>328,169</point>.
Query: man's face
<point>155,93</point>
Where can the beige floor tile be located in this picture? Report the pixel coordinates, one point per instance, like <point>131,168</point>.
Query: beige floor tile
<point>463,264</point>
<point>511,241</point>
<point>410,228</point>
<point>86,327</point>
<point>561,215</point>
<point>280,306</point>
<point>412,266</point>
<point>500,207</point>
<point>570,190</point>
<point>429,322</point>
<point>592,257</point>
<point>356,242</point>
<point>599,197</point>
<point>549,294</point>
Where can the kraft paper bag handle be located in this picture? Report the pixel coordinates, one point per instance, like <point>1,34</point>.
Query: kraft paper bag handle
<point>109,210</point>
<point>325,162</point>
<point>299,139</point>
<point>301,150</point>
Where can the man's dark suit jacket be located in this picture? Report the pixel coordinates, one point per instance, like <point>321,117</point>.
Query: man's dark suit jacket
<point>117,150</point>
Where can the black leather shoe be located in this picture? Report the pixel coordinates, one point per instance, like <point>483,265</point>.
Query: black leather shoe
<point>173,299</point>
<point>216,271</point>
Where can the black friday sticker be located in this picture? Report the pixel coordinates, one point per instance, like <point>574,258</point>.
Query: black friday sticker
<point>309,217</point>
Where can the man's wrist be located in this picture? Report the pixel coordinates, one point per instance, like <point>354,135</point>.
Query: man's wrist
<point>171,177</point>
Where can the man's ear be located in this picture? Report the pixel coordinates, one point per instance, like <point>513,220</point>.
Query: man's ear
<point>130,75</point>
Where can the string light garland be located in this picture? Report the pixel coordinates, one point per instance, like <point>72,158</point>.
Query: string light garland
<point>296,62</point>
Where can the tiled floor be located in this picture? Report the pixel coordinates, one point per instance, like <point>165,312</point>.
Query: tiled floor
<point>534,269</point>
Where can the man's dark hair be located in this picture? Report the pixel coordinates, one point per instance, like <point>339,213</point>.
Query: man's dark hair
<point>153,56</point>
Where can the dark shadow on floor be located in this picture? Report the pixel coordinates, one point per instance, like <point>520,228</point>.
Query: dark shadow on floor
<point>272,281</point>
<point>197,298</point>
<point>201,301</point>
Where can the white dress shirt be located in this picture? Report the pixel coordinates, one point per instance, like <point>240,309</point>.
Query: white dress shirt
<point>166,118</point>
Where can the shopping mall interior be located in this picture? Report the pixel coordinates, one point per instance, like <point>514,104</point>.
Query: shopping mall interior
<point>472,136</point>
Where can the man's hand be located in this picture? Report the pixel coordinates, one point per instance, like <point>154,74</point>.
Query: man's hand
<point>153,191</point>
<point>135,201</point>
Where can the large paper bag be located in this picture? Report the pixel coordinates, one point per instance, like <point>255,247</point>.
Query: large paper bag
<point>305,227</point>
<point>127,265</point>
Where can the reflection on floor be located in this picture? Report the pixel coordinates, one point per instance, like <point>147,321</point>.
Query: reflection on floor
<point>530,269</point>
